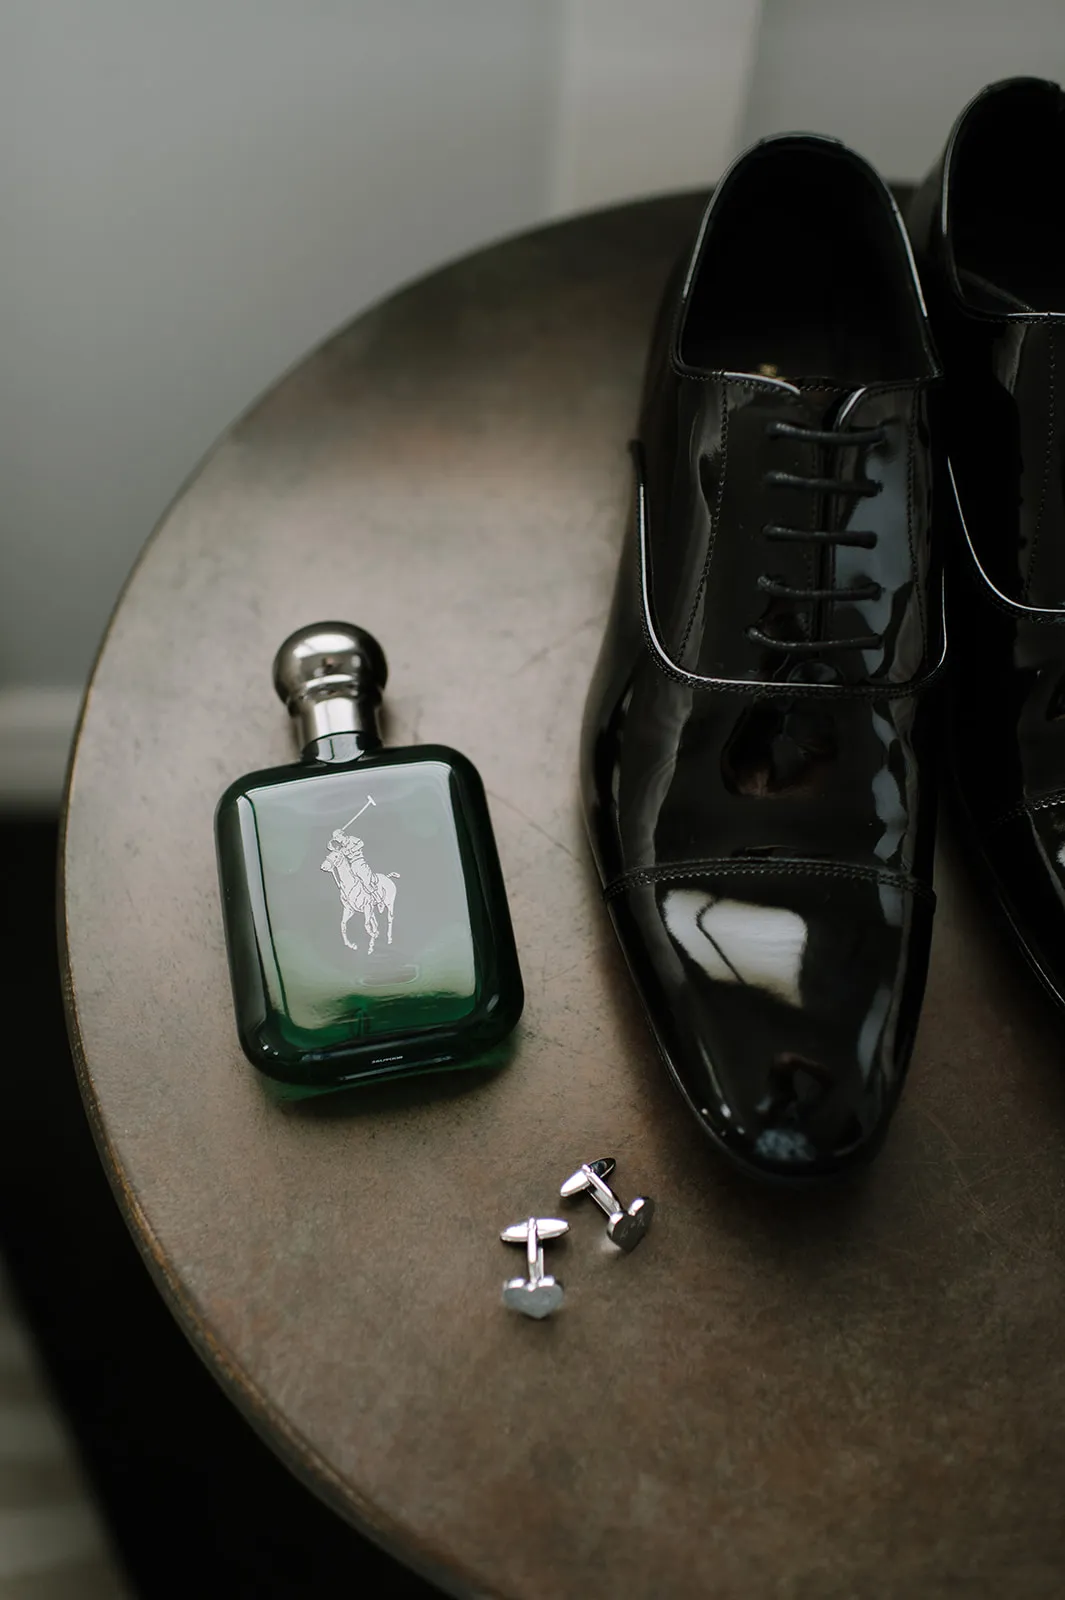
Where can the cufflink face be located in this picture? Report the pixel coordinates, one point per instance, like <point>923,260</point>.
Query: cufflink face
<point>539,1294</point>
<point>626,1225</point>
<point>627,1228</point>
<point>536,1300</point>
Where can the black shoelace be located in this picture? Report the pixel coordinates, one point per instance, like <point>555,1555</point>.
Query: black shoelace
<point>831,439</point>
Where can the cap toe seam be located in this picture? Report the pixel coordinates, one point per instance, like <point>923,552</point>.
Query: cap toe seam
<point>681,872</point>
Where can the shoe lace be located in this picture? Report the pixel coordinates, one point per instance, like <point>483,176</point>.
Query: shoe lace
<point>831,439</point>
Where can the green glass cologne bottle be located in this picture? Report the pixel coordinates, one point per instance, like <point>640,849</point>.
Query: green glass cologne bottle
<point>366,920</point>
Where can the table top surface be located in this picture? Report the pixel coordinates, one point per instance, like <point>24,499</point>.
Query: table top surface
<point>857,1392</point>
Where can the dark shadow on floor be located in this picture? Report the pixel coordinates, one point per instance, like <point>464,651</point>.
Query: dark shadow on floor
<point>196,1504</point>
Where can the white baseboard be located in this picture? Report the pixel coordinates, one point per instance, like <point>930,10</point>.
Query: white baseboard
<point>36,728</point>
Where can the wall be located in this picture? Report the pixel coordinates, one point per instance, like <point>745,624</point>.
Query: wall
<point>651,95</point>
<point>196,191</point>
<point>890,76</point>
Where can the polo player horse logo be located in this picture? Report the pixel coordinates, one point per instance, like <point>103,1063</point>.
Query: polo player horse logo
<point>363,891</point>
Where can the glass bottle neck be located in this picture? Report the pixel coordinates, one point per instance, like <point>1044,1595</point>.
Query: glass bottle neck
<point>337,748</point>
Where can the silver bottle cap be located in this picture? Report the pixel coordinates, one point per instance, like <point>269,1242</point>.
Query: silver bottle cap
<point>330,676</point>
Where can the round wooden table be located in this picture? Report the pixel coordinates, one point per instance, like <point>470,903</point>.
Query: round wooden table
<point>854,1393</point>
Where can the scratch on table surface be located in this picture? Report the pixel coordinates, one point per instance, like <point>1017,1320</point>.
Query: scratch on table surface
<point>984,1218</point>
<point>558,843</point>
<point>556,644</point>
<point>548,978</point>
<point>553,977</point>
<point>905,1252</point>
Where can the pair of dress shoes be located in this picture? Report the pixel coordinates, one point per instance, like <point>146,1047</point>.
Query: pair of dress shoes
<point>845,444</point>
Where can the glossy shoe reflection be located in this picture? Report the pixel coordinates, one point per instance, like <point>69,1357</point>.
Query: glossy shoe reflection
<point>756,753</point>
<point>991,248</point>
<point>782,995</point>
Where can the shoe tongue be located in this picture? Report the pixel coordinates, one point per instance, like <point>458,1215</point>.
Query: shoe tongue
<point>829,404</point>
<point>822,398</point>
<point>989,296</point>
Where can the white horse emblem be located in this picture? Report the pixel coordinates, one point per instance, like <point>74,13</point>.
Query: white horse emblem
<point>362,890</point>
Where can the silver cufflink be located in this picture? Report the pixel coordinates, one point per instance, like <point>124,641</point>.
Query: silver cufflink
<point>627,1224</point>
<point>539,1294</point>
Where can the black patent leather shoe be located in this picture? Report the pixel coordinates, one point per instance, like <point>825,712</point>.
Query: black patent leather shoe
<point>756,765</point>
<point>990,238</point>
